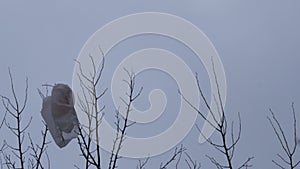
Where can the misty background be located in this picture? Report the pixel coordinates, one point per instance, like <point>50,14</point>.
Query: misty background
<point>258,43</point>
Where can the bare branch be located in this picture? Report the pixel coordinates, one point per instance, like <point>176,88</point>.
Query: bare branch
<point>15,110</point>
<point>177,153</point>
<point>39,150</point>
<point>228,140</point>
<point>192,164</point>
<point>142,164</point>
<point>121,130</point>
<point>288,148</point>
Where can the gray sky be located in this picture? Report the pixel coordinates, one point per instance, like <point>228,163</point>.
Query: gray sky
<point>258,43</point>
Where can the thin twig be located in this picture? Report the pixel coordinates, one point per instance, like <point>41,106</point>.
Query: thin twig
<point>121,130</point>
<point>228,140</point>
<point>288,148</point>
<point>15,110</point>
<point>177,153</point>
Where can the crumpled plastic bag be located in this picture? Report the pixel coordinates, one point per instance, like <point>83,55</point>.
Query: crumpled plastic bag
<point>60,116</point>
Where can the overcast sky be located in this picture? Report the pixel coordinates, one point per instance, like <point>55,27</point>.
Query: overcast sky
<point>257,41</point>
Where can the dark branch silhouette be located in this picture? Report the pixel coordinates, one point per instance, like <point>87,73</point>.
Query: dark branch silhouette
<point>288,148</point>
<point>192,164</point>
<point>122,128</point>
<point>175,157</point>
<point>228,140</point>
<point>15,109</point>
<point>89,105</point>
<point>20,155</point>
<point>38,151</point>
<point>177,153</point>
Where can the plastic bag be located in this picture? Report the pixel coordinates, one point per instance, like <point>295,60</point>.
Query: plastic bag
<point>60,116</point>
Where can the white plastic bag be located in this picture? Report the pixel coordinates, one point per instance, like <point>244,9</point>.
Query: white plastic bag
<point>60,116</point>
